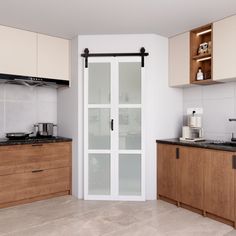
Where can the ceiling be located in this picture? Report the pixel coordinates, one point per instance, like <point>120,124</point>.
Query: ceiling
<point>67,18</point>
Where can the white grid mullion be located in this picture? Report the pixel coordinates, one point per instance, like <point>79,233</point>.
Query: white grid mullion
<point>99,151</point>
<point>99,105</point>
<point>116,126</point>
<point>130,151</point>
<point>130,105</point>
<point>86,133</point>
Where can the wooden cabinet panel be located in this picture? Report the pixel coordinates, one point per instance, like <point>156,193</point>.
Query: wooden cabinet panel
<point>18,52</point>
<point>219,184</point>
<point>166,170</point>
<point>53,57</point>
<point>224,38</point>
<point>179,60</point>
<point>25,158</point>
<point>29,185</point>
<point>190,176</point>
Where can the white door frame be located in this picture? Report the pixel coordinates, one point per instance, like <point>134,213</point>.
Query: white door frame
<point>114,134</point>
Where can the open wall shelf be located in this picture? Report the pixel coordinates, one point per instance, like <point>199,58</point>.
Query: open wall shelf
<point>201,58</point>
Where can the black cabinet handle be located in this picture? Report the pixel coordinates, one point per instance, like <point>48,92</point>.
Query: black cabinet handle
<point>36,171</point>
<point>234,162</point>
<point>37,145</point>
<point>177,153</point>
<point>112,124</point>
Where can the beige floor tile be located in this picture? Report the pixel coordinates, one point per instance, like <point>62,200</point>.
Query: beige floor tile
<point>71,217</point>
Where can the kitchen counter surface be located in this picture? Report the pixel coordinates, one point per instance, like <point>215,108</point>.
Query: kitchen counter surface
<point>6,142</point>
<point>209,144</point>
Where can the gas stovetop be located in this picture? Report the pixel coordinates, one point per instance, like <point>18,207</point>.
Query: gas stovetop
<point>32,138</point>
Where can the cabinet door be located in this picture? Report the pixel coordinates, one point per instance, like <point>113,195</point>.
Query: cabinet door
<point>224,47</point>
<point>219,184</point>
<point>18,52</point>
<point>190,176</point>
<point>166,170</point>
<point>25,158</point>
<point>53,57</point>
<point>179,60</point>
<point>33,184</point>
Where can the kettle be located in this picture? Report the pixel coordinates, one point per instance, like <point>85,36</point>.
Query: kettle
<point>194,121</point>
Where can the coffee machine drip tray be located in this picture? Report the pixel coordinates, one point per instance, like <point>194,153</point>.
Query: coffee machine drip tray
<point>192,140</point>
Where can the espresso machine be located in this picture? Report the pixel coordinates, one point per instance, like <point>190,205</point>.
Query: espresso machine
<point>193,132</point>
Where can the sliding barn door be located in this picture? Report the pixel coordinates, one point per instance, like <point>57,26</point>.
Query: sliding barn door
<point>113,129</point>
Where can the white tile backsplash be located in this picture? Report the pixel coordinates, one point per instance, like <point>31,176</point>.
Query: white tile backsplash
<point>20,116</point>
<point>218,103</point>
<point>218,91</point>
<point>193,93</point>
<point>21,107</point>
<point>19,93</point>
<point>47,95</point>
<point>47,112</point>
<point>1,92</point>
<point>1,118</point>
<point>216,114</point>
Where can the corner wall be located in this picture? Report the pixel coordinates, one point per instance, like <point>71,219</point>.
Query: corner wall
<point>163,104</point>
<point>67,114</point>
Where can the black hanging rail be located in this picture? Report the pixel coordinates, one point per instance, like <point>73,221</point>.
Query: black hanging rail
<point>86,55</point>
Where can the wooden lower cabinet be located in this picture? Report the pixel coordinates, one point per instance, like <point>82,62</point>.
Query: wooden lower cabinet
<point>202,179</point>
<point>31,172</point>
<point>29,185</point>
<point>166,165</point>
<point>190,176</point>
<point>219,184</point>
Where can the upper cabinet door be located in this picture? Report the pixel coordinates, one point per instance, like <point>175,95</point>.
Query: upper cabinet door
<point>179,60</point>
<point>53,57</point>
<point>224,47</point>
<point>18,52</point>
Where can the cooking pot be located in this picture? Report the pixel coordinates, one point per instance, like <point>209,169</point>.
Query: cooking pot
<point>44,129</point>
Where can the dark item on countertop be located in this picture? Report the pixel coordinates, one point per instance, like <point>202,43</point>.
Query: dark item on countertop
<point>34,140</point>
<point>18,135</point>
<point>208,144</point>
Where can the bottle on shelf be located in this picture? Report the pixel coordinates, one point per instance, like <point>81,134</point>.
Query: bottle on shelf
<point>200,74</point>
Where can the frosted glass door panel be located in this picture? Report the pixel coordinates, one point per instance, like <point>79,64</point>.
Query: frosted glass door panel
<point>99,174</point>
<point>129,82</point>
<point>130,128</point>
<point>99,83</point>
<point>130,174</point>
<point>99,128</point>
<point>113,142</point>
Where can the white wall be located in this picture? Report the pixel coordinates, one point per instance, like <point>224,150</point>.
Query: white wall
<point>218,103</point>
<point>68,115</point>
<point>21,107</point>
<point>163,104</point>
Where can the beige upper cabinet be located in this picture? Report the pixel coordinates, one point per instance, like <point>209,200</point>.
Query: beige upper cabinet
<point>224,48</point>
<point>18,52</point>
<point>179,60</point>
<point>53,57</point>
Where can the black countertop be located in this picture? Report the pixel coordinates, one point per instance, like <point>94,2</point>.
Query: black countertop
<point>209,144</point>
<point>6,142</point>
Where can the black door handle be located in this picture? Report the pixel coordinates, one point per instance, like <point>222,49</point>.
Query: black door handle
<point>36,171</point>
<point>112,124</point>
<point>37,145</point>
<point>177,153</point>
<point>234,162</point>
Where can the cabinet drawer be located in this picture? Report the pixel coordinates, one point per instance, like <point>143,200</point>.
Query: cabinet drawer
<point>25,158</point>
<point>29,185</point>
